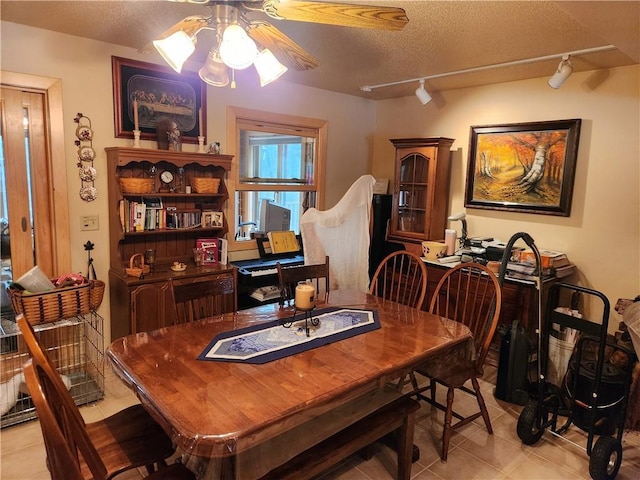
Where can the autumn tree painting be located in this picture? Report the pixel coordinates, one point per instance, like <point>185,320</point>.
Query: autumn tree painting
<point>522,167</point>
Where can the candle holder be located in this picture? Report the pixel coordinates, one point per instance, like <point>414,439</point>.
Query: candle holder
<point>136,139</point>
<point>308,318</point>
<point>201,148</point>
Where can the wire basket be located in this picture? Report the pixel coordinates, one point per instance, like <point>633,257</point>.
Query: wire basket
<point>205,185</point>
<point>52,305</point>
<point>136,185</point>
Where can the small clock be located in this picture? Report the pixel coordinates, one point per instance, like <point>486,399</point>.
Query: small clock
<point>166,177</point>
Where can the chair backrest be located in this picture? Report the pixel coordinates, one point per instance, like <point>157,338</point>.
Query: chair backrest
<point>62,425</point>
<point>288,277</point>
<point>469,293</point>
<point>205,298</point>
<point>401,277</point>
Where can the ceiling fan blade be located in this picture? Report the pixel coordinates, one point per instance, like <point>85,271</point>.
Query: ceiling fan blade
<point>189,25</point>
<point>348,15</point>
<point>286,50</point>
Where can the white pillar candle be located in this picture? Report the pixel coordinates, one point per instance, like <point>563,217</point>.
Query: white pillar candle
<point>305,296</point>
<point>136,123</point>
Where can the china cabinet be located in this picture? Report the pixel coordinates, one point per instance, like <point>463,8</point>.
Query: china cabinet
<point>421,188</point>
<point>153,215</point>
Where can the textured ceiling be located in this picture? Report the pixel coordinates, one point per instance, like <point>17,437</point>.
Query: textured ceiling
<point>441,37</point>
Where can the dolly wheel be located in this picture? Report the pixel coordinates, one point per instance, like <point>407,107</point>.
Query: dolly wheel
<point>527,428</point>
<point>606,458</point>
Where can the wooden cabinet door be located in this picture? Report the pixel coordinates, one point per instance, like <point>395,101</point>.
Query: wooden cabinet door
<point>151,307</point>
<point>420,188</point>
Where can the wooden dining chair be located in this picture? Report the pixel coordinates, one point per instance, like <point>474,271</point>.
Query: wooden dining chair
<point>288,277</point>
<point>468,293</point>
<point>401,277</point>
<point>128,439</point>
<point>71,453</point>
<point>204,298</point>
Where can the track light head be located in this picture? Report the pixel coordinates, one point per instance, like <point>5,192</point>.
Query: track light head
<point>563,72</point>
<point>422,94</point>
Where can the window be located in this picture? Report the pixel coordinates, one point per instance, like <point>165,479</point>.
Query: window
<point>279,161</point>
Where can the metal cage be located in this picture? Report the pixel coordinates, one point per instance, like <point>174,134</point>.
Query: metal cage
<point>74,345</point>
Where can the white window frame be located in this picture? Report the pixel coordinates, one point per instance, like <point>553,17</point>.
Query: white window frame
<point>242,118</point>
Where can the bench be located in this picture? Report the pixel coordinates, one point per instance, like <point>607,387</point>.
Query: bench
<point>397,417</point>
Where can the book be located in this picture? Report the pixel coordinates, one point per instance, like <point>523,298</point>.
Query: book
<point>263,294</point>
<point>223,248</point>
<point>565,270</point>
<point>139,217</point>
<point>283,242</point>
<point>548,258</point>
<point>520,267</point>
<point>209,247</point>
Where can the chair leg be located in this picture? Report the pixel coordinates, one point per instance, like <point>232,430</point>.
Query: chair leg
<point>481,404</point>
<point>446,434</point>
<point>414,380</point>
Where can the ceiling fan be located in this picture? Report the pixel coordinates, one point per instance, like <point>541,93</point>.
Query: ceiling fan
<point>241,42</point>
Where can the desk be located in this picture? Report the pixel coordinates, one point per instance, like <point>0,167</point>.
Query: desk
<point>221,410</point>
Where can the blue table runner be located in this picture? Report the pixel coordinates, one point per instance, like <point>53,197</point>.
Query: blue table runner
<point>271,340</point>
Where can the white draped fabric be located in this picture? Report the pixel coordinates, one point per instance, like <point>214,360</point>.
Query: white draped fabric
<point>342,233</point>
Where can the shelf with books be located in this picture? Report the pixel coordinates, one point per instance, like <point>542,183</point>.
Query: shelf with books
<point>168,219</point>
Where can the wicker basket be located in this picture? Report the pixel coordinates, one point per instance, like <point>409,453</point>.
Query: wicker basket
<point>96,293</point>
<point>205,185</point>
<point>137,266</point>
<point>52,305</point>
<point>136,185</point>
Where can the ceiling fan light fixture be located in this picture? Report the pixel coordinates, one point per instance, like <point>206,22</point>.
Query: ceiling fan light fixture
<point>564,71</point>
<point>214,72</point>
<point>237,49</point>
<point>176,49</point>
<point>422,94</point>
<point>268,67</point>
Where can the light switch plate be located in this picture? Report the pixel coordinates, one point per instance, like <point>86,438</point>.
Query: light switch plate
<point>89,222</point>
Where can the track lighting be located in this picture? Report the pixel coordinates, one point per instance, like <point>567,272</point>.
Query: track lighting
<point>563,72</point>
<point>422,94</point>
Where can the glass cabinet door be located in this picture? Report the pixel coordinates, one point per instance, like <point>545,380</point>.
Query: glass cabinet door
<point>412,194</point>
<point>420,189</point>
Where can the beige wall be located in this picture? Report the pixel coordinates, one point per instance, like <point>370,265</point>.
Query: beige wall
<point>602,235</point>
<point>84,66</point>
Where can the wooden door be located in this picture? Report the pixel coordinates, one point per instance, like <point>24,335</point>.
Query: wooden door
<point>26,182</point>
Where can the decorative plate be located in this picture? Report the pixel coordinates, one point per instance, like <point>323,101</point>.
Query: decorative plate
<point>87,174</point>
<point>86,154</point>
<point>88,194</point>
<point>84,133</point>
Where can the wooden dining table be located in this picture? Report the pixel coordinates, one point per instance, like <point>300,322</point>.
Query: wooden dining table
<point>240,420</point>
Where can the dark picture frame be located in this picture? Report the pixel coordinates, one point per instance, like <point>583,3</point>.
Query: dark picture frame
<point>161,93</point>
<point>523,167</point>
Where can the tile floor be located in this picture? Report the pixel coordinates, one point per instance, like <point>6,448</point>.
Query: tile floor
<point>473,453</point>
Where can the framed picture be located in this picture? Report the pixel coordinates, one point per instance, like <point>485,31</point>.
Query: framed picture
<point>217,219</point>
<point>523,167</point>
<point>160,93</point>
<point>207,219</point>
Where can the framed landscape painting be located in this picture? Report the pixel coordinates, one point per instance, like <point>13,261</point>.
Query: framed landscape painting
<point>523,167</point>
<point>160,93</point>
